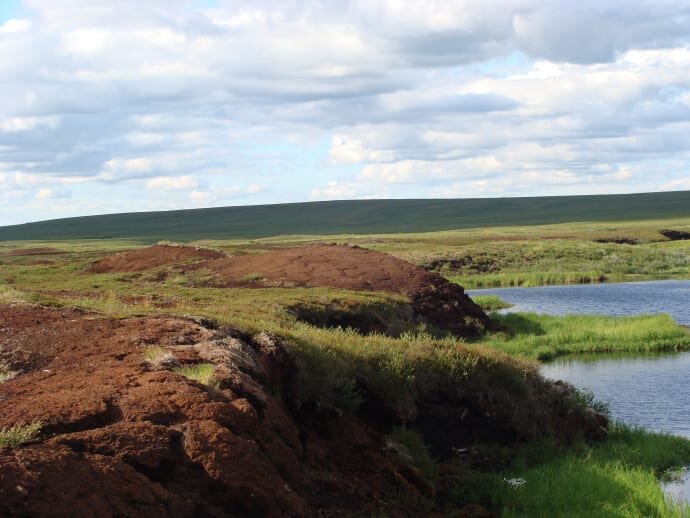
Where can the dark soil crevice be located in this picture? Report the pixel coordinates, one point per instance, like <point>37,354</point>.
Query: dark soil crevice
<point>675,235</point>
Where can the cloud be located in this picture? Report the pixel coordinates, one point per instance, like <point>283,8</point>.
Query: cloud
<point>14,25</point>
<point>167,183</point>
<point>44,194</point>
<point>679,184</point>
<point>336,99</point>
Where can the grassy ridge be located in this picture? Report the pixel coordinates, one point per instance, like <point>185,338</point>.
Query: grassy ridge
<point>357,217</point>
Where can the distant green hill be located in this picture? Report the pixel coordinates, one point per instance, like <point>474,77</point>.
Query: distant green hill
<point>357,217</point>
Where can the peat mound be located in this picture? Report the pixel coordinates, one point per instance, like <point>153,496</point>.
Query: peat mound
<point>141,259</point>
<point>123,433</point>
<point>435,300</point>
<point>120,438</point>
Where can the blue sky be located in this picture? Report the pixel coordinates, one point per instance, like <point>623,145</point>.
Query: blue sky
<point>166,104</point>
<point>9,9</point>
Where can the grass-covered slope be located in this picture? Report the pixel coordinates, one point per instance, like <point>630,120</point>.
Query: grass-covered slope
<point>357,217</point>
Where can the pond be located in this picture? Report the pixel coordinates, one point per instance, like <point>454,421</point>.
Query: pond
<point>641,390</point>
<point>630,298</point>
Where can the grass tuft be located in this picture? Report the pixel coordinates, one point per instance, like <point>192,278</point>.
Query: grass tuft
<point>18,435</point>
<point>160,358</point>
<point>201,372</point>
<point>491,302</point>
<point>252,277</point>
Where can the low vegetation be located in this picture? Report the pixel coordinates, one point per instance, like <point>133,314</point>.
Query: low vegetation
<point>18,435</point>
<point>359,217</point>
<point>619,478</point>
<point>160,358</point>
<point>252,277</point>
<point>200,372</point>
<point>544,337</point>
<point>491,302</point>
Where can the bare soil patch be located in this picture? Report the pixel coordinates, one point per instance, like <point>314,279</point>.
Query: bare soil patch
<point>35,251</point>
<point>434,299</point>
<point>151,257</point>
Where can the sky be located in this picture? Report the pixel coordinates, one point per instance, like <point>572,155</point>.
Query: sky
<point>119,106</point>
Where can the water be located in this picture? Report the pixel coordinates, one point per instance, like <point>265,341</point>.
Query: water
<point>649,391</point>
<point>641,390</point>
<point>630,298</point>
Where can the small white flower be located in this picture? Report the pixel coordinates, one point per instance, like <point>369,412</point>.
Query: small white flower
<point>515,482</point>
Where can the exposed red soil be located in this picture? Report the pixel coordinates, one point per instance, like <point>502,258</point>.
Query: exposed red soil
<point>335,266</point>
<point>122,439</point>
<point>434,299</point>
<point>141,259</point>
<point>36,251</point>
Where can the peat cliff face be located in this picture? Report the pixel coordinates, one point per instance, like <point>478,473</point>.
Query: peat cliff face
<point>125,436</point>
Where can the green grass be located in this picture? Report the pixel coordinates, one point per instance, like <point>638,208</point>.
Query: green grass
<point>18,435</point>
<point>201,372</point>
<point>252,277</point>
<point>356,217</point>
<point>619,477</point>
<point>543,337</point>
<point>490,302</point>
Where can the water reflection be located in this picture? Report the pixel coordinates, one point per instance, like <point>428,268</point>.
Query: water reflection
<point>630,298</point>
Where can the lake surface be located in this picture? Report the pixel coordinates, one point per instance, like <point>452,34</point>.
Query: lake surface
<point>641,390</point>
<point>630,298</point>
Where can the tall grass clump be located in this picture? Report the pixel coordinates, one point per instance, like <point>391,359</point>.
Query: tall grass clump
<point>543,337</point>
<point>18,435</point>
<point>619,477</point>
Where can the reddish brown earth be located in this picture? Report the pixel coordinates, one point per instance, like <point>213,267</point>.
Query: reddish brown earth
<point>141,259</point>
<point>35,251</point>
<point>123,437</point>
<point>434,299</point>
<point>119,438</point>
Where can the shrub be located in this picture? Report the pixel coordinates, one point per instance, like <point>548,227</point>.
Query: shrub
<point>18,435</point>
